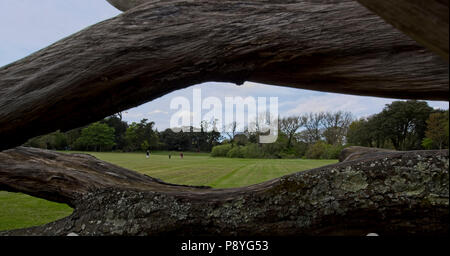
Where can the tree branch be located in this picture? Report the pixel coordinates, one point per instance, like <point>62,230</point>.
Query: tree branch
<point>424,21</point>
<point>64,178</point>
<point>162,46</point>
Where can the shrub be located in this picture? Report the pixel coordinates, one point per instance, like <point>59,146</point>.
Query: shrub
<point>285,155</point>
<point>55,140</point>
<point>300,148</point>
<point>235,152</point>
<point>271,150</point>
<point>316,150</point>
<point>322,150</point>
<point>331,152</point>
<point>252,150</point>
<point>427,143</point>
<point>221,150</point>
<point>288,154</point>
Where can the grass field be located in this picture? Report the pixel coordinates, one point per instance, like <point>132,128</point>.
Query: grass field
<point>18,210</point>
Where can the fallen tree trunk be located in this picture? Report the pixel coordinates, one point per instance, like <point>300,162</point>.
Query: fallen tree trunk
<point>161,46</point>
<point>355,152</point>
<point>424,21</point>
<point>394,193</point>
<point>64,178</point>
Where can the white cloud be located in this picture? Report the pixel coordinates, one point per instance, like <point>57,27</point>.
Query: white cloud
<point>438,104</point>
<point>359,106</point>
<point>157,111</point>
<point>132,115</point>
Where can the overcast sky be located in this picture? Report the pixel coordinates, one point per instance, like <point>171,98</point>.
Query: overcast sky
<point>29,25</point>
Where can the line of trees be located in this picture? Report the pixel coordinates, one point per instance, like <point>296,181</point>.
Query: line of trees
<point>114,134</point>
<point>401,125</point>
<point>312,135</point>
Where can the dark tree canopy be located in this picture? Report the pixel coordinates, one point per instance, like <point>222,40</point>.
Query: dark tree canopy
<point>401,124</point>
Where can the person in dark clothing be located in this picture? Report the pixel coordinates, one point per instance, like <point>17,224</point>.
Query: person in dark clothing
<point>148,153</point>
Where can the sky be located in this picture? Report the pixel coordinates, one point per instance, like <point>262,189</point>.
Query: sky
<point>30,25</point>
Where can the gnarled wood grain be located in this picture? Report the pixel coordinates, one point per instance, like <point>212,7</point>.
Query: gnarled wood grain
<point>424,21</point>
<point>64,178</point>
<point>335,46</point>
<point>355,152</point>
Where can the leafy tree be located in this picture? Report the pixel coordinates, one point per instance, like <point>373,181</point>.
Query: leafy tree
<point>221,150</point>
<point>132,137</point>
<point>73,135</point>
<point>137,133</point>
<point>400,125</point>
<point>359,134</point>
<point>145,145</point>
<point>367,132</point>
<point>176,140</point>
<point>437,130</point>
<point>404,123</point>
<point>97,137</point>
<point>55,140</point>
<point>378,132</point>
<point>120,128</point>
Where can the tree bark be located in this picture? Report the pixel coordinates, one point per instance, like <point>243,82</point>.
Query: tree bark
<point>424,21</point>
<point>64,178</point>
<point>388,193</point>
<point>355,152</point>
<point>125,5</point>
<point>162,46</point>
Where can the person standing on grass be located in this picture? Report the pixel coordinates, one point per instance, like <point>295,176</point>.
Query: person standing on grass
<point>148,153</point>
<point>181,155</point>
<point>170,156</point>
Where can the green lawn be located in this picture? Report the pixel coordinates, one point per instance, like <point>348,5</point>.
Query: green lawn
<point>18,210</point>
